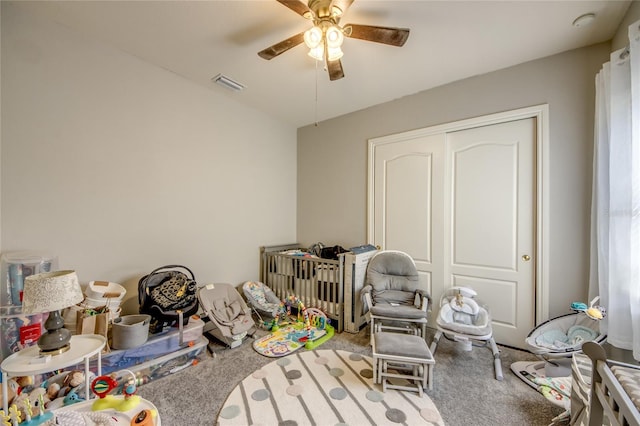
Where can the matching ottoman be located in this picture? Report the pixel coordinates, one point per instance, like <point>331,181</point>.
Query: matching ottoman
<point>402,356</point>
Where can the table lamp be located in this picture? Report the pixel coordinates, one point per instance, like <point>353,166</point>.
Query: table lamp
<point>51,292</point>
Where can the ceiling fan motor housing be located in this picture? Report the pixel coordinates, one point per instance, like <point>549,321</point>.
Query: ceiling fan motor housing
<point>323,9</point>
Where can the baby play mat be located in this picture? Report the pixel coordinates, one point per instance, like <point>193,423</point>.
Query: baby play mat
<point>287,339</point>
<point>322,387</point>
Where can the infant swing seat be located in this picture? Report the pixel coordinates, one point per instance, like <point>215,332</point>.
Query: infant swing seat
<point>228,316</point>
<point>554,342</point>
<point>464,320</point>
<point>262,299</point>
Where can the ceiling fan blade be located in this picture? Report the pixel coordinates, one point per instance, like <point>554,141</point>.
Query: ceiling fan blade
<point>386,35</point>
<point>335,70</point>
<point>279,48</point>
<point>298,7</point>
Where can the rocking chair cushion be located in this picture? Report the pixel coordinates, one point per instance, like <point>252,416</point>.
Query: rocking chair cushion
<point>398,311</point>
<point>404,345</point>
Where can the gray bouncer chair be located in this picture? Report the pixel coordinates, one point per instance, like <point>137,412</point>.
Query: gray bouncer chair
<point>228,318</point>
<point>395,298</point>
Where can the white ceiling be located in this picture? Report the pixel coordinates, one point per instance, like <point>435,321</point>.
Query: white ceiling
<point>449,40</point>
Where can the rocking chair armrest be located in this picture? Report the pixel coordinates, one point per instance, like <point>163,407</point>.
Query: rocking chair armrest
<point>423,300</point>
<point>367,302</point>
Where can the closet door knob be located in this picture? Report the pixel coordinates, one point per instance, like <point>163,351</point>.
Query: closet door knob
<point>526,257</point>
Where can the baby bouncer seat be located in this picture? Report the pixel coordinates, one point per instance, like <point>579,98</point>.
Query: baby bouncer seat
<point>228,318</point>
<point>463,319</point>
<point>556,340</point>
<point>262,300</point>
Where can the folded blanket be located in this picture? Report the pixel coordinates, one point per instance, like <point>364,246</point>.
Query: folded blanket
<point>553,339</point>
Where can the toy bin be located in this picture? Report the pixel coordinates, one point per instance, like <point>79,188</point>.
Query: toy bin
<point>17,330</point>
<point>156,346</point>
<point>165,365</point>
<point>15,267</point>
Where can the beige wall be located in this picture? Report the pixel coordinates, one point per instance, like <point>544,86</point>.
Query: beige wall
<point>332,158</point>
<point>621,38</point>
<point>118,167</point>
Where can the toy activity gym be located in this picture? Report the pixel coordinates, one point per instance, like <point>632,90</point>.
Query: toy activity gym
<point>310,328</point>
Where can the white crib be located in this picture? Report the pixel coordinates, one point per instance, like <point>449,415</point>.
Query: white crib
<point>604,391</point>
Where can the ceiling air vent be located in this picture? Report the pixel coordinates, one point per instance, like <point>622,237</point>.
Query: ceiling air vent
<point>225,81</point>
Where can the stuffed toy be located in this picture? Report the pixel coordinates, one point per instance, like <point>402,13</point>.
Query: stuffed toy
<point>53,391</point>
<point>72,398</point>
<point>73,379</point>
<point>38,399</point>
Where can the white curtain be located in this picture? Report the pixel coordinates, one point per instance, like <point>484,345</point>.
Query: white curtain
<point>615,243</point>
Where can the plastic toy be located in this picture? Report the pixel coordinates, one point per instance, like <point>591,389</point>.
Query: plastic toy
<point>310,329</point>
<point>27,401</point>
<point>34,420</point>
<point>593,311</point>
<point>6,420</point>
<point>319,320</point>
<point>14,418</point>
<point>14,414</point>
<point>102,385</point>
<point>144,418</point>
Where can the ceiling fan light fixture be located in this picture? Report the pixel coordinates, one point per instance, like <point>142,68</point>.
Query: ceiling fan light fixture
<point>313,37</point>
<point>317,52</point>
<point>334,36</point>
<point>334,53</point>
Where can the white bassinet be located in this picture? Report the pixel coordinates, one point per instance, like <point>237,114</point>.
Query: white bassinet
<point>464,320</point>
<point>555,341</point>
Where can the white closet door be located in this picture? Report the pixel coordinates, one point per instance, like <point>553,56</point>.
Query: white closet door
<point>489,213</point>
<point>408,202</point>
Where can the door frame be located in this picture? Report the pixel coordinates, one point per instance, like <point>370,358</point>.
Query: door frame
<point>541,114</point>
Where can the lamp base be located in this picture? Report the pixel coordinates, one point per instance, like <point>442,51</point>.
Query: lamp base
<point>56,351</point>
<point>56,340</point>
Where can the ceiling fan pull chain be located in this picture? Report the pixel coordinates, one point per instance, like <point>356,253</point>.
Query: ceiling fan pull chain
<point>316,105</point>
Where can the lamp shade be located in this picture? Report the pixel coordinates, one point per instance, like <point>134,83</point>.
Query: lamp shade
<point>51,291</point>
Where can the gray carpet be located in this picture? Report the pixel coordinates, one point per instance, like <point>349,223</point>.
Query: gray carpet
<point>464,390</point>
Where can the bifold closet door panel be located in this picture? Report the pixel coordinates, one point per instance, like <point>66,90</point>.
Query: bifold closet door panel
<point>489,211</point>
<point>408,201</point>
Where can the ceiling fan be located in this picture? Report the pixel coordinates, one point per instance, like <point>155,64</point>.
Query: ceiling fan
<point>325,38</point>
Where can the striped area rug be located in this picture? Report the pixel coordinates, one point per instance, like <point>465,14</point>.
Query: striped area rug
<point>322,387</point>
